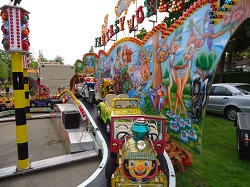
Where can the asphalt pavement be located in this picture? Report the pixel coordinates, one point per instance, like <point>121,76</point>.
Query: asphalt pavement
<point>43,143</point>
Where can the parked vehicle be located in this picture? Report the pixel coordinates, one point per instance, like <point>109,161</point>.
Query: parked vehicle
<point>119,105</point>
<point>229,98</point>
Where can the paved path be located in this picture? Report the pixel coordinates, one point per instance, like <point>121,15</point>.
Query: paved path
<point>44,143</point>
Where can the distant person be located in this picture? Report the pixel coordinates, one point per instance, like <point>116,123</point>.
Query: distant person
<point>7,86</point>
<point>1,88</point>
<point>38,82</point>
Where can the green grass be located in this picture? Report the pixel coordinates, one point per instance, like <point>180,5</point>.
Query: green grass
<point>219,165</point>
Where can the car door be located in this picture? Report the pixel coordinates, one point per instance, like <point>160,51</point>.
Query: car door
<point>218,99</point>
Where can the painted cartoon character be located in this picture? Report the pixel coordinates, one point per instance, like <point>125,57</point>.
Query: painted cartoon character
<point>163,52</point>
<point>141,72</point>
<point>107,68</point>
<point>139,170</point>
<point>208,28</point>
<point>157,97</point>
<point>179,74</point>
<point>124,75</point>
<point>199,90</point>
<point>117,62</point>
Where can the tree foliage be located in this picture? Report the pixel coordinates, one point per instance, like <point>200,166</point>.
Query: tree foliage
<point>59,58</point>
<point>5,65</point>
<point>240,41</point>
<point>78,65</point>
<point>237,44</point>
<point>4,71</point>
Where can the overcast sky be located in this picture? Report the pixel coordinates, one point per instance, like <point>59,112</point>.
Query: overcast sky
<point>69,28</point>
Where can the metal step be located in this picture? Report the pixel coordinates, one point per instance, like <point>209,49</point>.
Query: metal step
<point>47,163</point>
<point>33,116</point>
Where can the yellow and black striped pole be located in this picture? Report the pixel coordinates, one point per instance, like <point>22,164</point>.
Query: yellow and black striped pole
<point>20,111</point>
<point>26,92</point>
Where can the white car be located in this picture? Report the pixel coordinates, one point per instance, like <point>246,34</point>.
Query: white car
<point>229,98</point>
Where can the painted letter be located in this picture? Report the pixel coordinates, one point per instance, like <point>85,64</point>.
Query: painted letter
<point>150,6</point>
<point>139,15</point>
<point>131,24</point>
<point>117,29</point>
<point>111,31</point>
<point>121,21</point>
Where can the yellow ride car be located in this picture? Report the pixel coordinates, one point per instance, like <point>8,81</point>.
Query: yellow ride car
<point>6,101</point>
<point>118,105</point>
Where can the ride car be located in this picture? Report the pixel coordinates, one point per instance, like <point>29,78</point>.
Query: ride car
<point>42,98</point>
<point>118,105</point>
<point>88,89</point>
<point>229,98</point>
<point>107,87</point>
<point>137,141</point>
<point>6,101</point>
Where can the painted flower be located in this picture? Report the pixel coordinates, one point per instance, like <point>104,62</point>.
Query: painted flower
<point>226,19</point>
<point>188,123</point>
<point>174,126</point>
<point>182,124</point>
<point>177,119</point>
<point>192,135</point>
<point>188,104</point>
<point>171,114</point>
<point>184,136</point>
<point>237,15</point>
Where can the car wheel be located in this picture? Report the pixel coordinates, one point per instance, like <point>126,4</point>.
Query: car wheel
<point>231,113</point>
<point>33,104</point>
<point>99,112</point>
<point>108,127</point>
<point>48,104</point>
<point>110,167</point>
<point>92,97</point>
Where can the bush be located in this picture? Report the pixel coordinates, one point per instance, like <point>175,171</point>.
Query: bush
<point>243,77</point>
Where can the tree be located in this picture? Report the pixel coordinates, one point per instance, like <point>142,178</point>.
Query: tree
<point>33,62</point>
<point>4,71</point>
<point>246,53</point>
<point>204,63</point>
<point>78,65</point>
<point>237,44</point>
<point>41,58</point>
<point>59,59</point>
<point>5,65</point>
<point>142,33</point>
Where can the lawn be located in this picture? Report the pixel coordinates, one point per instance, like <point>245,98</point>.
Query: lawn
<point>219,165</point>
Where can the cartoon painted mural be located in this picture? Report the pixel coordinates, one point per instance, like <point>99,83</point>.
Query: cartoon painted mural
<point>171,69</point>
<point>90,65</point>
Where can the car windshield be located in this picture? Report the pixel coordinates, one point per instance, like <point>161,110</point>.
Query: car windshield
<point>6,94</point>
<point>123,127</point>
<point>244,88</point>
<point>126,104</point>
